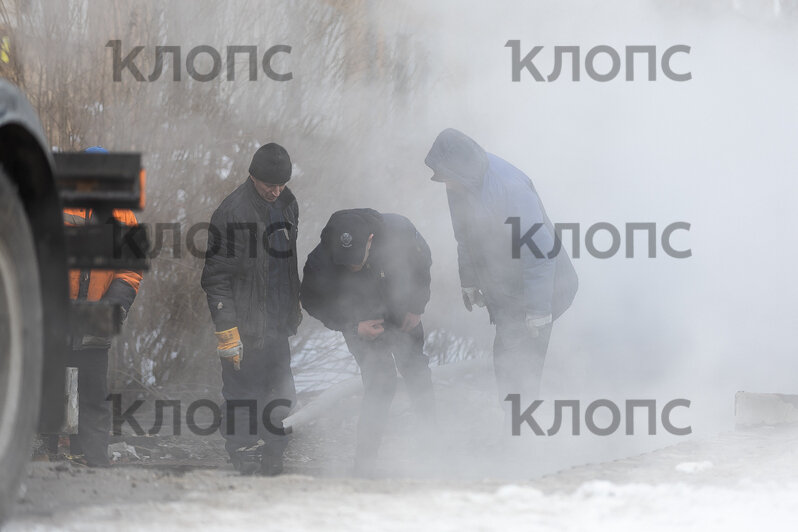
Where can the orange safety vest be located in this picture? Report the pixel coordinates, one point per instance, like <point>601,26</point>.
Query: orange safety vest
<point>100,280</point>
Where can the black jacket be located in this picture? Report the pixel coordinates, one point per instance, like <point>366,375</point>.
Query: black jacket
<point>237,269</point>
<point>395,279</point>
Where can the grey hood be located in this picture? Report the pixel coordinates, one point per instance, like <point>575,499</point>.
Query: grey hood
<point>455,156</point>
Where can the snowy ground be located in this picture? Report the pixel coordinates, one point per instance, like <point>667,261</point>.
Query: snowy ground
<point>473,476</point>
<point>737,481</point>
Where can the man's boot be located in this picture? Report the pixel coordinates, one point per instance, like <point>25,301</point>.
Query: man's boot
<point>246,460</point>
<point>271,463</point>
<point>93,449</point>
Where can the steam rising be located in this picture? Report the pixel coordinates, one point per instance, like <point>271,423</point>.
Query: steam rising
<point>375,82</point>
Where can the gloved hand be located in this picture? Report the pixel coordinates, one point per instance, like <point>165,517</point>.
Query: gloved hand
<point>535,322</point>
<point>229,347</point>
<point>473,296</point>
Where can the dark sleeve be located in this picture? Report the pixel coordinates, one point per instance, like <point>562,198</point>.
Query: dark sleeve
<point>420,259</point>
<point>458,209</point>
<point>125,284</point>
<point>317,294</point>
<point>222,263</point>
<point>120,293</point>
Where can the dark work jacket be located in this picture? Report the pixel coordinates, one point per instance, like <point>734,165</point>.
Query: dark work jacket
<point>238,269</point>
<point>395,279</point>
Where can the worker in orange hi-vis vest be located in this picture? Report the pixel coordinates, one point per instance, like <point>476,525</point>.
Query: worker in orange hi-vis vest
<point>90,353</point>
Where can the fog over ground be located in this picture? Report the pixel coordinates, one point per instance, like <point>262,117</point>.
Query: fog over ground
<point>373,85</point>
<point>715,151</point>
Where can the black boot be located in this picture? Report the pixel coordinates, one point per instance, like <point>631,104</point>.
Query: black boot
<point>271,463</point>
<point>94,449</point>
<point>246,460</point>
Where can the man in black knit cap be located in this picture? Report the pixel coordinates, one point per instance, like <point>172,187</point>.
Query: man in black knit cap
<point>252,283</point>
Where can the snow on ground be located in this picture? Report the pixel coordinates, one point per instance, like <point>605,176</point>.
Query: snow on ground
<point>596,505</point>
<point>736,481</point>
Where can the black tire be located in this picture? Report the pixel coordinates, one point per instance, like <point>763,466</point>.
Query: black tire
<point>20,342</point>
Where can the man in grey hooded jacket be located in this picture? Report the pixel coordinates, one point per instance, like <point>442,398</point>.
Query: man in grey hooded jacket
<point>489,199</point>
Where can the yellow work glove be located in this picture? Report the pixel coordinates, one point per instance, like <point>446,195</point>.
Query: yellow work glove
<point>229,346</point>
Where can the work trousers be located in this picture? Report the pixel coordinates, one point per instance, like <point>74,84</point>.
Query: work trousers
<point>518,356</point>
<point>378,360</point>
<point>265,381</point>
<point>94,411</point>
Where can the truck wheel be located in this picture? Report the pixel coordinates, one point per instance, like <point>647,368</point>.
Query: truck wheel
<point>20,342</point>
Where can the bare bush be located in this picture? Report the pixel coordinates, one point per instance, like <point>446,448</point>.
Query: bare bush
<point>356,78</point>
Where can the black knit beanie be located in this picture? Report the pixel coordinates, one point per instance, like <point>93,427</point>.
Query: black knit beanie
<point>271,164</point>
